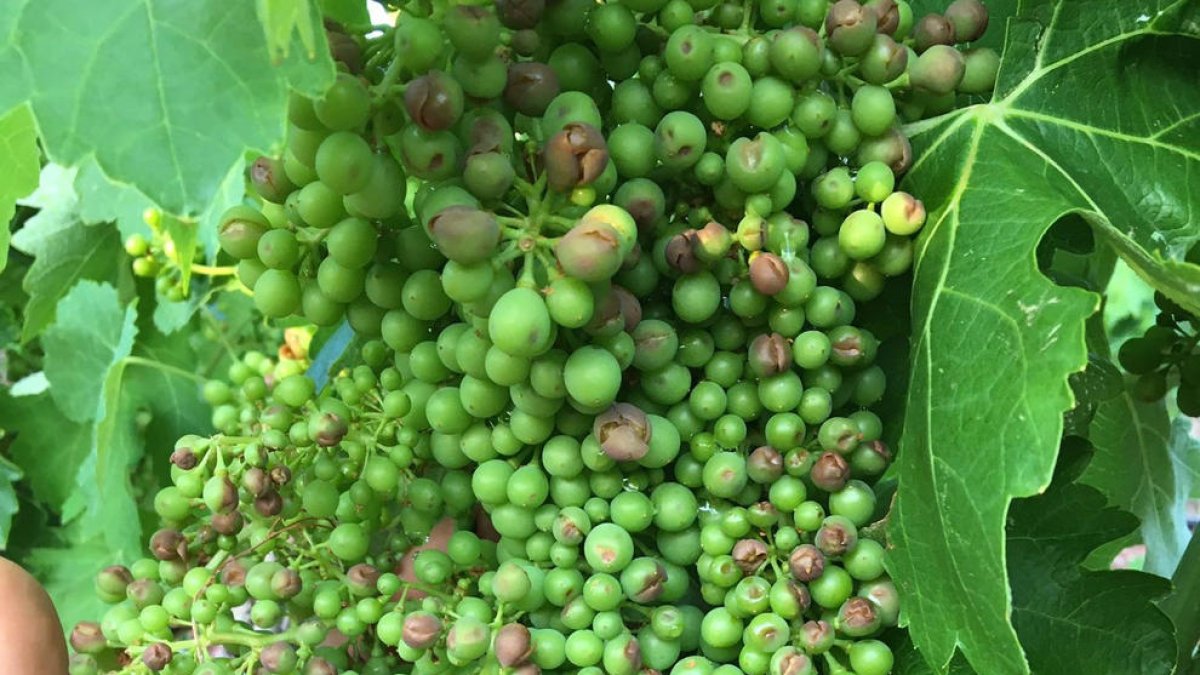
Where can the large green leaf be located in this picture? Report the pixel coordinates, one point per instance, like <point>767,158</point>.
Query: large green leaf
<point>103,201</point>
<point>50,446</point>
<point>18,145</point>
<point>1136,468</point>
<point>91,337</point>
<point>1076,621</point>
<point>68,572</point>
<point>104,78</point>
<point>1096,114</point>
<point>63,250</point>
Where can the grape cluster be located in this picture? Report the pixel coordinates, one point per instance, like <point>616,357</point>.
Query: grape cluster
<point>1166,352</point>
<point>612,408</point>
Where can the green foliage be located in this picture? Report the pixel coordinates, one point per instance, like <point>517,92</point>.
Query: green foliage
<point>64,250</point>
<point>1065,615</point>
<point>18,144</point>
<point>975,435</point>
<point>71,61</point>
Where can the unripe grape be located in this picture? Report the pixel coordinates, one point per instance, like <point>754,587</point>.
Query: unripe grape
<point>939,70</point>
<point>419,42</point>
<point>980,67</point>
<point>464,234</point>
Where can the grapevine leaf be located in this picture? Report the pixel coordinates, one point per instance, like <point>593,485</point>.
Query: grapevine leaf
<point>172,316</point>
<point>64,252</point>
<point>9,474</point>
<point>1076,621</point>
<point>280,18</point>
<point>68,573</point>
<point>46,443</point>
<point>976,435</point>
<point>103,201</point>
<point>173,137</point>
<point>1135,468</point>
<point>18,145</point>
<point>346,11</point>
<point>909,661</point>
<point>90,337</point>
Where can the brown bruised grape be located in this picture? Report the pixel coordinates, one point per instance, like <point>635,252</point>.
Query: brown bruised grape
<point>530,88</point>
<point>590,251</point>
<point>884,61</point>
<point>769,354</point>
<point>850,27</point>
<point>768,273</point>
<point>764,465</point>
<point>434,101</point>
<point>157,656</point>
<point>830,472</point>
<point>806,562</point>
<point>574,157</point>
<point>970,19</point>
<point>87,638</point>
<point>343,48</point>
<point>464,234</point>
<point>421,630</point>
<point>269,179</point>
<point>513,645</point>
<point>681,252</point>
<point>623,432</point>
<point>857,618</point>
<point>933,29</point>
<point>168,544</point>
<point>241,228</point>
<point>887,15</point>
<point>836,536</point>
<point>518,14</point>
<point>892,148</point>
<point>749,555</point>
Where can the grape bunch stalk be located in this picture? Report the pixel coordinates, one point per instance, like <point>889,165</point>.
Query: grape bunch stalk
<point>611,269</point>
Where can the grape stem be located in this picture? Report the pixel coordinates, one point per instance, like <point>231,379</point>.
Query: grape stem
<point>214,271</point>
<point>389,79</point>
